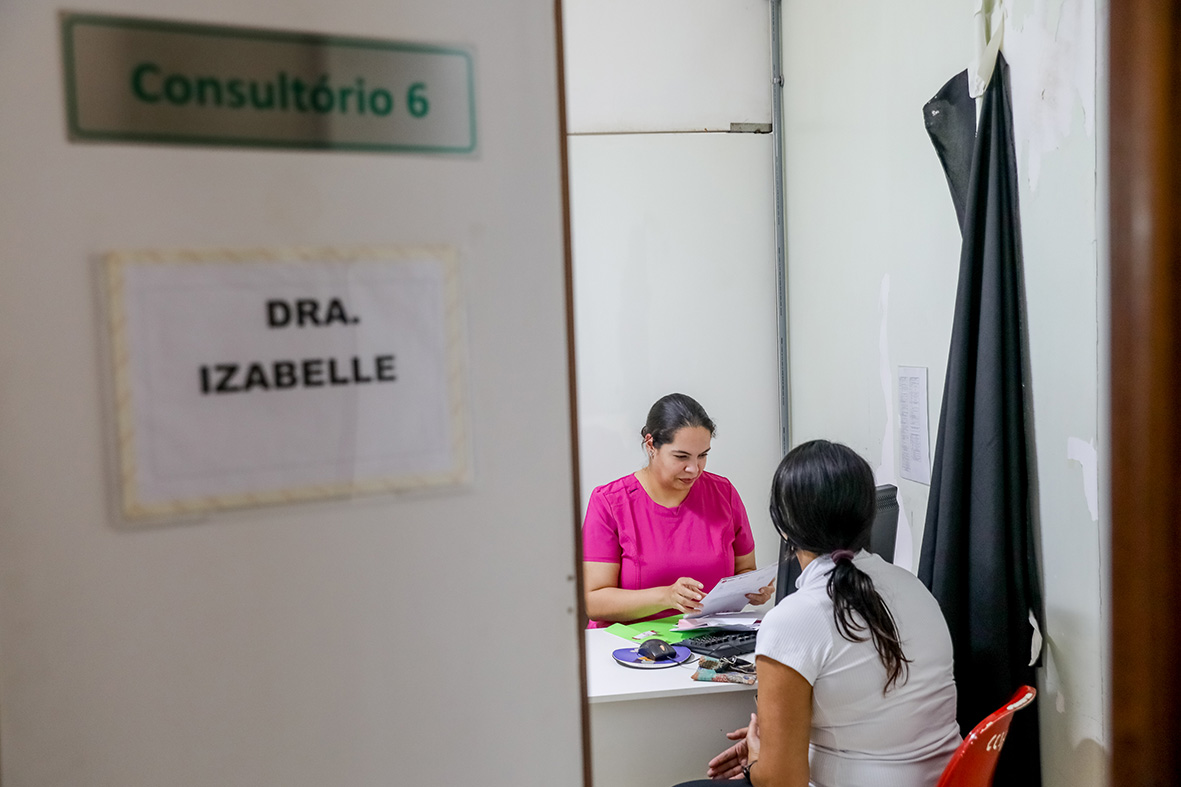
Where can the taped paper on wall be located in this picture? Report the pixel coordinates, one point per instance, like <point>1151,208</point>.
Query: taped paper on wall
<point>914,447</point>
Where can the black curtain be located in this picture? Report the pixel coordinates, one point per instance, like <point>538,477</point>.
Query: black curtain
<point>978,555</point>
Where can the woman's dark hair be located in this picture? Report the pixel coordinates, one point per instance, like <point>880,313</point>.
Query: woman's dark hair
<point>672,413</point>
<point>823,499</point>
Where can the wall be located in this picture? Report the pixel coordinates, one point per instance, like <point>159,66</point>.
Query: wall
<point>873,251</point>
<point>673,232</point>
<point>357,642</point>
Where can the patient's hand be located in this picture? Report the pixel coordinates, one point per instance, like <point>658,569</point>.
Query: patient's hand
<point>728,764</point>
<point>763,596</point>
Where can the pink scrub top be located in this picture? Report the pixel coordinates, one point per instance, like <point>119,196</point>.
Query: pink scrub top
<point>655,545</point>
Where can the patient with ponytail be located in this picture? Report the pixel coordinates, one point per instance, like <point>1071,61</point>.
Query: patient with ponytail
<point>854,668</point>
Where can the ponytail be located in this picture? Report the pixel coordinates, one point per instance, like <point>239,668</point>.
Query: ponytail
<point>823,501</point>
<point>856,607</point>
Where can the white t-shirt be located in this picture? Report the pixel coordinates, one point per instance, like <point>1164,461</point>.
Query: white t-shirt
<point>861,738</point>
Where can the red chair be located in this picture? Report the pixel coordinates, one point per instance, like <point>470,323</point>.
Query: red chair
<point>974,761</point>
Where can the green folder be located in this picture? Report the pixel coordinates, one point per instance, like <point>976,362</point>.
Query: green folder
<point>661,627</point>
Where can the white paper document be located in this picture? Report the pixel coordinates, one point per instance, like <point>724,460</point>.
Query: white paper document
<point>741,621</point>
<point>914,433</point>
<point>729,595</point>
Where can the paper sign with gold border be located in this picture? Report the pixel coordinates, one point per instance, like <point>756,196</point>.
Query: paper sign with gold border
<point>265,376</point>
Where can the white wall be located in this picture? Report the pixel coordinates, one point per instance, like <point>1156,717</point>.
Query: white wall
<point>675,292</point>
<point>365,642</point>
<point>873,251</point>
<point>673,232</point>
<point>666,65</point>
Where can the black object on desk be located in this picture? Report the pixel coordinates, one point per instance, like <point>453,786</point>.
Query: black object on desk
<point>720,644</point>
<point>632,657</point>
<point>656,649</point>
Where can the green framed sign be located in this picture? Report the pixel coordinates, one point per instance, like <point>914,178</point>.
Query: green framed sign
<point>129,79</point>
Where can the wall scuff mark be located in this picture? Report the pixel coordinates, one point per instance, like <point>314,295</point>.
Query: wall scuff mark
<point>1086,455</point>
<point>1051,54</point>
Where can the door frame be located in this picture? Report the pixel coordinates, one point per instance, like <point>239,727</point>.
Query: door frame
<point>1145,284</point>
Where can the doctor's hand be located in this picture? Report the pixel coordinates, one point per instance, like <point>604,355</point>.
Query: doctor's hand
<point>684,595</point>
<point>728,764</point>
<point>763,596</point>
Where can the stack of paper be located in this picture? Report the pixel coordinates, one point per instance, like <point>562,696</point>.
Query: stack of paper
<point>729,595</point>
<point>740,621</point>
<point>722,606</point>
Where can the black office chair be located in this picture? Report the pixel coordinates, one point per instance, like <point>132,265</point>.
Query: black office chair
<point>881,541</point>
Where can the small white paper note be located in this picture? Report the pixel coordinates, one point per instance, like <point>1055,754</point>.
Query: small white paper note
<point>914,443</point>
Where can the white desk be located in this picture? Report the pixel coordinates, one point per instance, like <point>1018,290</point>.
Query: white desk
<point>655,728</point>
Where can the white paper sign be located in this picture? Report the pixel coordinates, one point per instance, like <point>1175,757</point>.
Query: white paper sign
<point>274,376</point>
<point>914,443</point>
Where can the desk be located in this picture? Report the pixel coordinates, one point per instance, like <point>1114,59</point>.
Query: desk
<point>655,728</point>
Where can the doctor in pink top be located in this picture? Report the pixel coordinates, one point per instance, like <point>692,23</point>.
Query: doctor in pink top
<point>656,541</point>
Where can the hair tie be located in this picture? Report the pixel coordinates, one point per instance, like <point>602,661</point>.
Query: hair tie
<point>842,554</point>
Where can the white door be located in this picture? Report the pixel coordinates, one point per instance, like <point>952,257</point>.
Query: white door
<point>415,639</point>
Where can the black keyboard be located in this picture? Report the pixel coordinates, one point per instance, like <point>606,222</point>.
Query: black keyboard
<point>721,644</point>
